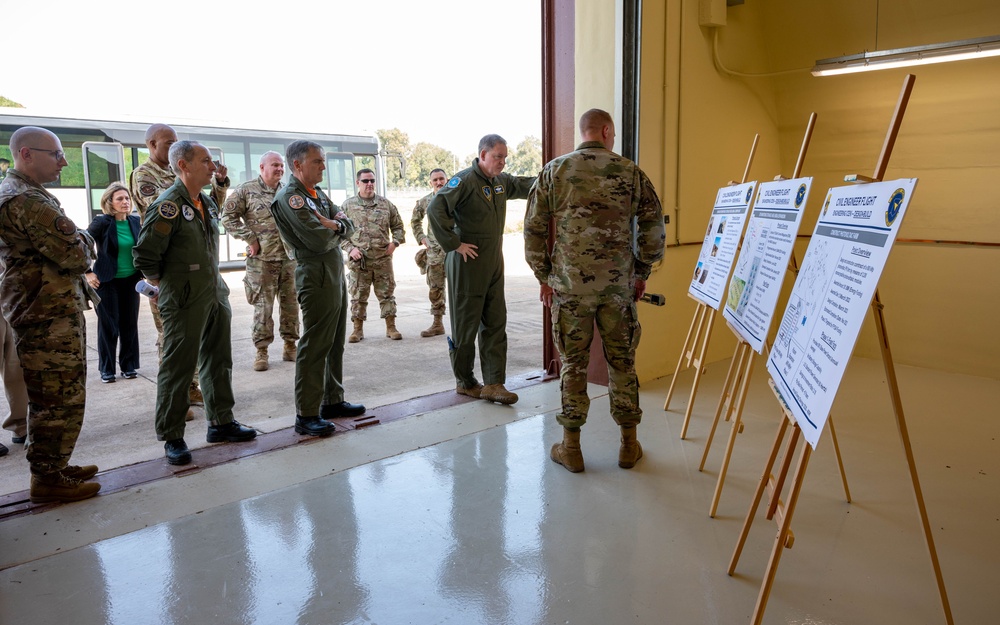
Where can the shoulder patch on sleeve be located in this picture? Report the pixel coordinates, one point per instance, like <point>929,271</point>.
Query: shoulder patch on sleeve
<point>168,210</point>
<point>65,225</point>
<point>454,182</point>
<point>147,189</point>
<point>231,205</point>
<point>296,202</point>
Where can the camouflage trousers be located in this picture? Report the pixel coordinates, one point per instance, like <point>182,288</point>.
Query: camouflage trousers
<point>435,282</point>
<point>13,382</point>
<point>53,359</point>
<point>264,281</point>
<point>573,321</point>
<point>364,275</point>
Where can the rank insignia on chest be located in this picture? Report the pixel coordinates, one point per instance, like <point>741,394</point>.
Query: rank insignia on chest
<point>296,202</point>
<point>487,192</point>
<point>498,189</point>
<point>188,212</point>
<point>168,210</point>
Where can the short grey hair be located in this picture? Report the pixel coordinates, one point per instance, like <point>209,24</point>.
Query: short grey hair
<point>268,153</point>
<point>489,142</point>
<point>297,150</point>
<point>181,151</point>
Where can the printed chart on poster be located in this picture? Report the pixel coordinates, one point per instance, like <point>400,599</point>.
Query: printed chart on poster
<point>840,272</point>
<point>722,240</point>
<point>767,247</point>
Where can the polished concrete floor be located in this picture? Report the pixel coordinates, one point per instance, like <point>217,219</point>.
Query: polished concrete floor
<point>458,516</point>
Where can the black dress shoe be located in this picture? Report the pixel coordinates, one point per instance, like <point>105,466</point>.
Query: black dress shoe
<point>343,409</point>
<point>232,432</point>
<point>177,451</point>
<point>18,440</point>
<point>3,449</point>
<point>313,426</point>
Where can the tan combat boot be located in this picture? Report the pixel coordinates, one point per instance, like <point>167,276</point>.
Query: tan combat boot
<point>470,391</point>
<point>568,453</point>
<point>359,331</point>
<point>436,329</point>
<point>630,451</point>
<point>58,488</point>
<point>260,364</point>
<point>390,329</point>
<point>289,352</point>
<point>498,393</point>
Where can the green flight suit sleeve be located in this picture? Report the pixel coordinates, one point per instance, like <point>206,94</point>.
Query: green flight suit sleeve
<point>441,214</point>
<point>154,239</point>
<point>518,187</point>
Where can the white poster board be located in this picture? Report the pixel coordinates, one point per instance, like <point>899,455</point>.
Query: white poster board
<point>767,247</point>
<point>722,240</point>
<point>840,272</point>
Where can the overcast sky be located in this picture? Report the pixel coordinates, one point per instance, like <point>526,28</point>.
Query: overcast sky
<point>446,72</point>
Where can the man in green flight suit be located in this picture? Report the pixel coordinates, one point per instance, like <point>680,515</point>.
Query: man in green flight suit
<point>467,218</point>
<point>313,228</point>
<point>178,251</point>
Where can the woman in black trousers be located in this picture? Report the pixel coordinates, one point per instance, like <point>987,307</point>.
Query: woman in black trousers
<point>114,276</point>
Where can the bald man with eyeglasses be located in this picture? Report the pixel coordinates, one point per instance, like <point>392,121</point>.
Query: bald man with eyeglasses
<point>43,295</point>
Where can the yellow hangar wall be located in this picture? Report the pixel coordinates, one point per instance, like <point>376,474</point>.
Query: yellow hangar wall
<point>697,123</point>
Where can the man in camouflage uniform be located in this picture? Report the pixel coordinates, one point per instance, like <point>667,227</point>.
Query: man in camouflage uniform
<point>146,184</point>
<point>608,232</point>
<point>467,217</point>
<point>313,228</point>
<point>43,295</point>
<point>178,251</point>
<point>378,231</point>
<point>433,264</point>
<point>270,272</point>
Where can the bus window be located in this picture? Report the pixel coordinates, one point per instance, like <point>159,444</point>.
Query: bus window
<point>339,177</point>
<point>103,163</point>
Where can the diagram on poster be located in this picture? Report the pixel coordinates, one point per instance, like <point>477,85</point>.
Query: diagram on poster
<point>722,240</point>
<point>767,247</point>
<point>840,272</point>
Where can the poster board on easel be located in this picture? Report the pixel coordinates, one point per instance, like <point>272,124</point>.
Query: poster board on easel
<point>826,309</point>
<point>722,242</point>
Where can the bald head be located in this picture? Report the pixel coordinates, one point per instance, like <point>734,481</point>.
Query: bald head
<point>597,125</point>
<point>37,153</point>
<point>159,138</point>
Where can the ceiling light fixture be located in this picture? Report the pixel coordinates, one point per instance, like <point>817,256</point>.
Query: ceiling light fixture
<point>905,57</point>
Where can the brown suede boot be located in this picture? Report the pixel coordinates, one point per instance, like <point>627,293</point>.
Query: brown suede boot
<point>390,328</point>
<point>498,393</point>
<point>436,329</point>
<point>471,391</point>
<point>58,488</point>
<point>289,352</point>
<point>568,453</point>
<point>359,331</point>
<point>260,363</point>
<point>630,451</point>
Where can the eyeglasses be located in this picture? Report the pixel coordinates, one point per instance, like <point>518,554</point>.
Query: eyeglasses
<point>59,154</point>
<point>367,181</point>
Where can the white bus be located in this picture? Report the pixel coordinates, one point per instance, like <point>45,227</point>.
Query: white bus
<point>100,152</point>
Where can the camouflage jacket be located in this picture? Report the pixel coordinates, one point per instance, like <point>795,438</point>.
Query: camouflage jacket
<point>376,224</point>
<point>608,223</point>
<point>247,216</point>
<point>149,180</point>
<point>43,254</point>
<point>417,225</point>
<point>295,213</point>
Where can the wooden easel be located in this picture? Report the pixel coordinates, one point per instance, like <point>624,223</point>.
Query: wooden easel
<point>782,512</point>
<point>699,334</point>
<point>734,390</point>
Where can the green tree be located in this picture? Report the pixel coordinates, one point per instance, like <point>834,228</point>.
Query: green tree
<point>10,103</point>
<point>526,158</point>
<point>425,157</point>
<point>394,142</point>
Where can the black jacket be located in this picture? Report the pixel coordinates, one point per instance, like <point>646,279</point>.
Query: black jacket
<point>105,234</point>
